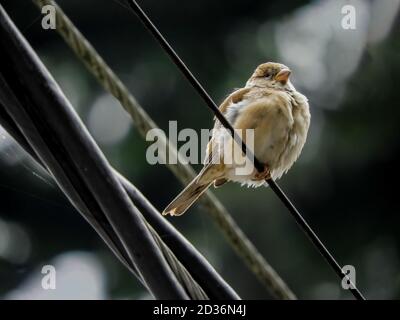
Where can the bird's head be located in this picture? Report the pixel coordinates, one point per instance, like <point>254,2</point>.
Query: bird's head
<point>272,75</point>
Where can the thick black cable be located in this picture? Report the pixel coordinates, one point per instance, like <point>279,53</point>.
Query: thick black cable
<point>200,269</point>
<point>257,164</point>
<point>62,129</point>
<point>79,197</point>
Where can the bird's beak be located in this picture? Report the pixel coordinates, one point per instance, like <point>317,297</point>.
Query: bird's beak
<point>283,76</point>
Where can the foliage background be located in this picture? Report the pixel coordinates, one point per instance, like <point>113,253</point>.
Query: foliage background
<point>345,182</point>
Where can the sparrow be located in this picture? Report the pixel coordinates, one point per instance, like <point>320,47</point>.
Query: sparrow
<point>280,117</point>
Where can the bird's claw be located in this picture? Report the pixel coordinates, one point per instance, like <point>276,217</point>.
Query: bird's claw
<point>264,175</point>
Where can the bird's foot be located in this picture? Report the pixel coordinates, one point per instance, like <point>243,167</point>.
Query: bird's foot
<point>263,175</point>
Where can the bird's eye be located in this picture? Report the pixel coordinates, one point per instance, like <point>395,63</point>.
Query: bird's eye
<point>268,75</point>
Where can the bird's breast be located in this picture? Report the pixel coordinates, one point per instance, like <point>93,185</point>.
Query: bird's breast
<point>296,134</point>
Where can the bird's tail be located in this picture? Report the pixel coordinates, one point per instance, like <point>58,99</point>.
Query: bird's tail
<point>191,193</point>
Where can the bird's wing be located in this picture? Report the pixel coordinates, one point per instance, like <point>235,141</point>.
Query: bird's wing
<point>212,154</point>
<point>234,97</point>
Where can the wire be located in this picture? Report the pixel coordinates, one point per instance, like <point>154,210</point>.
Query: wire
<point>257,164</point>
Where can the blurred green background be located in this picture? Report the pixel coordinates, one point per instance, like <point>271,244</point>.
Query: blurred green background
<point>345,182</point>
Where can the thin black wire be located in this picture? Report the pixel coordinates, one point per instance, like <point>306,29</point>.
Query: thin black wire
<point>257,164</point>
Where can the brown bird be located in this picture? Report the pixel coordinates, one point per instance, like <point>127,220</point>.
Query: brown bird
<point>280,117</point>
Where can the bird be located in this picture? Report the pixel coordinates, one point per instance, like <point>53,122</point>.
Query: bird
<point>280,117</point>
